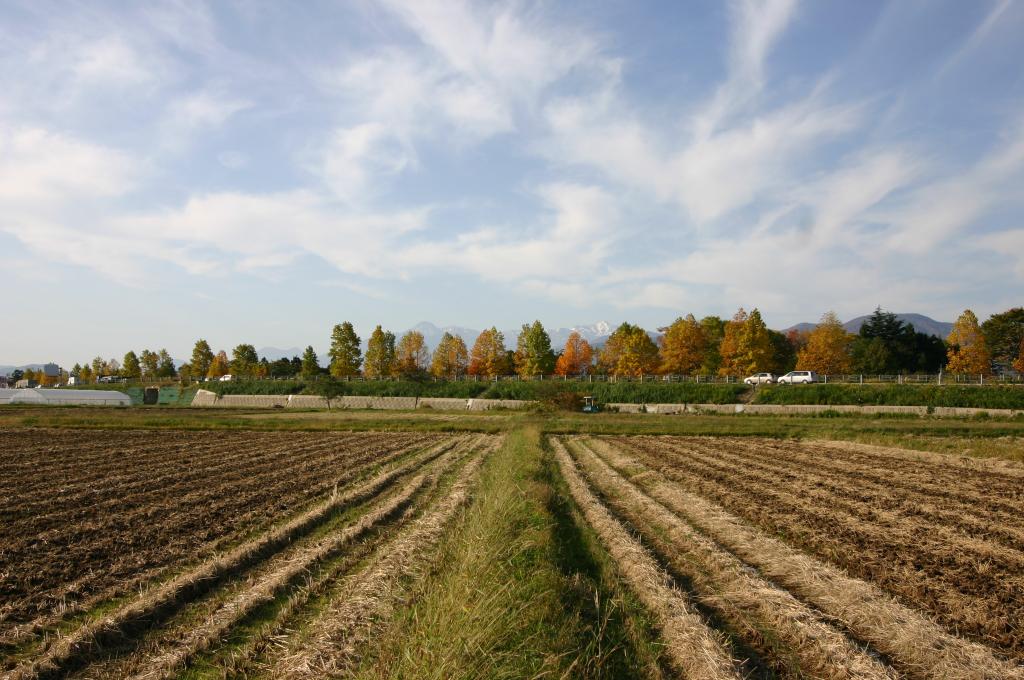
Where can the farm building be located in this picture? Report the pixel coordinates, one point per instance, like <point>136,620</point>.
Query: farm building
<point>65,397</point>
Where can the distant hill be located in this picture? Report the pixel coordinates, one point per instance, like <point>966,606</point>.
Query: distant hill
<point>7,370</point>
<point>275,353</point>
<point>920,322</point>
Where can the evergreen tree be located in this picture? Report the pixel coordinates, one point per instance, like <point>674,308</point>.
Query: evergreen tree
<point>345,354</point>
<point>713,328</point>
<point>1004,332</point>
<point>310,365</point>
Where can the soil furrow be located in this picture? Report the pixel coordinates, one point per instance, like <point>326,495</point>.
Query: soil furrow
<point>917,645</point>
<point>791,637</point>
<point>159,602</point>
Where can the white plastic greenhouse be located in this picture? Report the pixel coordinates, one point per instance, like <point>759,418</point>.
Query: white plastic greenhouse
<point>65,397</point>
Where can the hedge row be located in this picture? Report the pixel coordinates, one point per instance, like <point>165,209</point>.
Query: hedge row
<point>1000,396</point>
<point>624,392</point>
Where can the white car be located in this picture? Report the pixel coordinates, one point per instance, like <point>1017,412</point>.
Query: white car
<point>760,379</point>
<point>799,378</point>
<point>227,378</point>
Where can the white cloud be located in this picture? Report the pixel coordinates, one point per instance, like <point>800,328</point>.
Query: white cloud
<point>938,210</point>
<point>38,166</point>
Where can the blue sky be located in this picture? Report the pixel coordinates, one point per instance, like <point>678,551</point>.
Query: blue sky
<point>258,171</point>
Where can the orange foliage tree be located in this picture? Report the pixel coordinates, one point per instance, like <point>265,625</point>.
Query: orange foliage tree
<point>683,346</point>
<point>489,357</point>
<point>968,352</point>
<point>576,357</point>
<point>828,348</point>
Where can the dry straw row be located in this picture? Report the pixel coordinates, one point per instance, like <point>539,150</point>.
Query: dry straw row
<point>795,640</point>
<point>181,589</point>
<point>917,645</point>
<point>692,647</point>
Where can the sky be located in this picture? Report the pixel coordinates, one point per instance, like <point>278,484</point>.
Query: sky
<point>255,171</point>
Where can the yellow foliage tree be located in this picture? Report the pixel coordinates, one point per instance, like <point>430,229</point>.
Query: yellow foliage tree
<point>1018,365</point>
<point>967,352</point>
<point>683,346</point>
<point>411,356</point>
<point>746,345</point>
<point>576,358</point>
<point>451,359</point>
<point>489,357</point>
<point>828,348</point>
<point>219,365</point>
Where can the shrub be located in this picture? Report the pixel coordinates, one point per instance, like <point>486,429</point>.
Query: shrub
<point>995,396</point>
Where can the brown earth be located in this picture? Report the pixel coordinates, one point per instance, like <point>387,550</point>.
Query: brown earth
<point>938,538</point>
<point>87,515</point>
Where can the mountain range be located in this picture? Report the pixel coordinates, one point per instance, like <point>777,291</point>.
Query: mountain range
<point>920,322</point>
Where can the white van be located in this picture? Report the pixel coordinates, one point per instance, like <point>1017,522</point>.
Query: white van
<point>799,378</point>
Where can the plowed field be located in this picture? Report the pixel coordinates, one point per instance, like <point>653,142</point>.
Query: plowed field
<point>811,559</point>
<point>148,554</point>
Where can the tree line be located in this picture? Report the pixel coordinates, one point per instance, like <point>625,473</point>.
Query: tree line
<point>710,346</point>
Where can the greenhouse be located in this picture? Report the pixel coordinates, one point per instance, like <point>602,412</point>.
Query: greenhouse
<point>65,397</point>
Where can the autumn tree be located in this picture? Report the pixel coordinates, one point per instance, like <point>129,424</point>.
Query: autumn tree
<point>729,348</point>
<point>629,351</point>
<point>746,345</point>
<point>202,357</point>
<point>411,356</point>
<point>380,354</point>
<point>345,353</point>
<point>130,367</point>
<point>967,351</point>
<point>828,348</point>
<point>1018,364</point>
<point>149,361</point>
<point>244,360</point>
<point>489,356</point>
<point>85,373</point>
<point>219,366</point>
<point>310,364</point>
<point>683,346</point>
<point>533,351</point>
<point>451,359</point>
<point>576,358</point>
